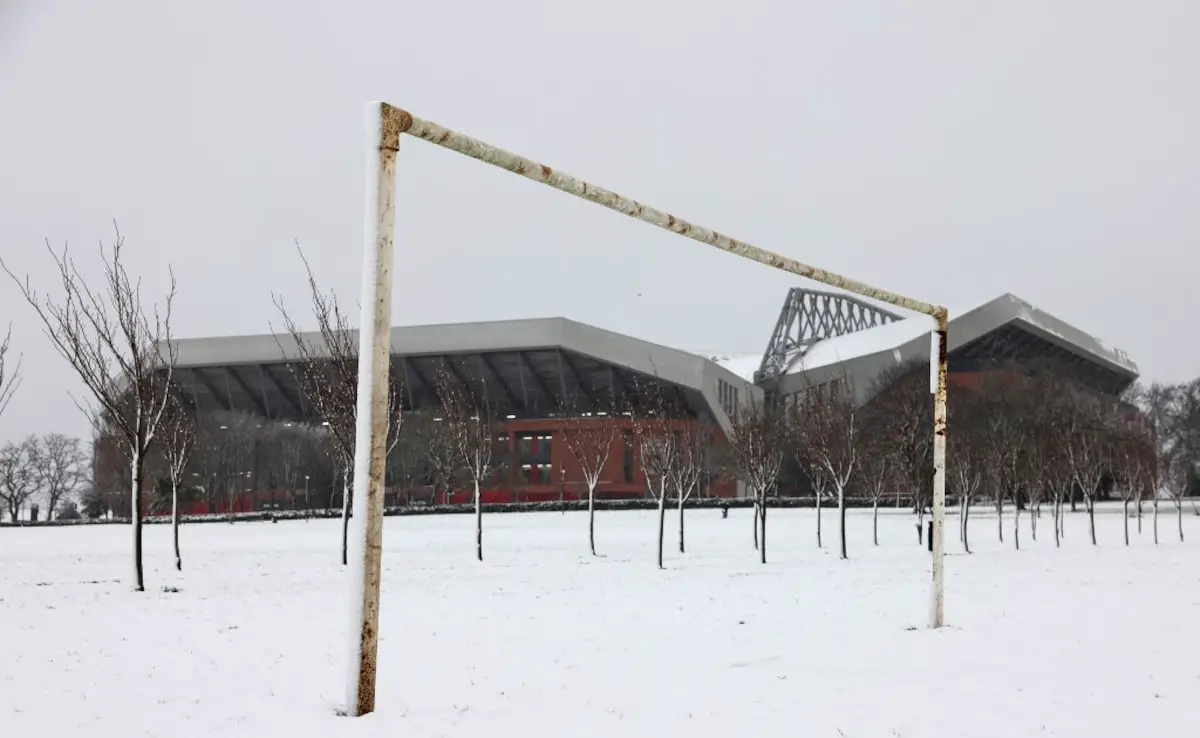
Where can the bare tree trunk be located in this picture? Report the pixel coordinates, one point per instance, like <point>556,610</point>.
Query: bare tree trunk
<point>681,547</point>
<point>1091,511</point>
<point>1155,520</point>
<point>175,524</point>
<point>1000,516</point>
<point>135,514</point>
<point>479,523</point>
<point>1138,501</point>
<point>966,526</point>
<point>1033,518</point>
<point>592,517</point>
<point>1125,514</point>
<point>820,544</point>
<point>1179,516</point>
<point>1058,522</point>
<point>662,518</point>
<point>1017,527</point>
<point>345,515</point>
<point>875,520</point>
<point>755,517</point>
<point>842,518</point>
<point>762,549</point>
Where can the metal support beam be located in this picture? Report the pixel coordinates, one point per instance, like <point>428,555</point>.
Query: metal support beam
<point>426,384</point>
<point>544,388</point>
<point>259,406</point>
<point>407,384</point>
<point>212,388</point>
<point>293,401</point>
<point>477,401</point>
<point>564,359</point>
<point>486,366</point>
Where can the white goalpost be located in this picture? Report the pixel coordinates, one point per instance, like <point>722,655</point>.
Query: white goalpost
<point>385,125</point>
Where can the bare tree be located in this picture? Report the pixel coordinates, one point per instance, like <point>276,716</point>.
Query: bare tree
<point>326,368</point>
<point>901,411</point>
<point>60,465</point>
<point>966,458</point>
<point>1088,448</point>
<point>123,355</point>
<point>18,475</point>
<point>446,471</point>
<point>1004,428</point>
<point>176,443</point>
<point>409,459</point>
<point>1134,459</point>
<point>10,378</point>
<point>658,453</point>
<point>759,439</point>
<point>1177,476</point>
<point>879,476</point>
<point>1157,404</point>
<point>590,442</point>
<point>694,444</point>
<point>473,435</point>
<point>828,430</point>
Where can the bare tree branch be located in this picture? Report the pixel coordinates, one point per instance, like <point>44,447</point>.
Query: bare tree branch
<point>326,368</point>
<point>10,378</point>
<point>122,354</point>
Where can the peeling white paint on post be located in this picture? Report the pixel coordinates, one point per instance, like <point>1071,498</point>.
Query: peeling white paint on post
<point>370,440</point>
<point>937,603</point>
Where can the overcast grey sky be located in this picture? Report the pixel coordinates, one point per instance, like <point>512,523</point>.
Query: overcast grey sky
<point>945,149</point>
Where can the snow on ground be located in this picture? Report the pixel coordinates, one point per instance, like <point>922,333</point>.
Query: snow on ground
<point>543,640</point>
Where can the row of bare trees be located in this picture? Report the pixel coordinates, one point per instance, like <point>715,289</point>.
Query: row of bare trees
<point>50,469</point>
<point>1022,438</point>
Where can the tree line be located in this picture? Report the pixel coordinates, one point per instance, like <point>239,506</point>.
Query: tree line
<point>1029,437</point>
<point>1024,438</point>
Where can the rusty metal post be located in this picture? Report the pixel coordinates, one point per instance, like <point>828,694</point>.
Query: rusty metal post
<point>370,441</point>
<point>937,605</point>
<point>538,172</point>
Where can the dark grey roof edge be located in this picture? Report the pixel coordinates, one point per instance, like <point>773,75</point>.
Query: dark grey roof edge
<point>974,323</point>
<point>678,367</point>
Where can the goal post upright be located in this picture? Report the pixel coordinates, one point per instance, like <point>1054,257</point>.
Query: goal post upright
<point>385,125</point>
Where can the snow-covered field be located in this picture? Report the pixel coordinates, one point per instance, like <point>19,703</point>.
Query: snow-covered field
<point>543,640</point>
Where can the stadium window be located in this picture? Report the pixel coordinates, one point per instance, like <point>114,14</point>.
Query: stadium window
<point>533,474</point>
<point>524,445</point>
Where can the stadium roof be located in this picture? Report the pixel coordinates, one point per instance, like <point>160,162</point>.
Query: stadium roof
<point>531,367</point>
<point>536,367</point>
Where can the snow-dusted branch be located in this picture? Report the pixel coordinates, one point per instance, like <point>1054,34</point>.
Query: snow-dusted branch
<point>10,374</point>
<point>121,352</point>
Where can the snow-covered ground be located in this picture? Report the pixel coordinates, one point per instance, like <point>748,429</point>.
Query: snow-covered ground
<point>543,640</point>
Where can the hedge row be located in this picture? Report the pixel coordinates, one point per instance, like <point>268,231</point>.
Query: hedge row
<point>510,507</point>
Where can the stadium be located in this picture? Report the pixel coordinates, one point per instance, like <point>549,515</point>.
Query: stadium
<point>531,370</point>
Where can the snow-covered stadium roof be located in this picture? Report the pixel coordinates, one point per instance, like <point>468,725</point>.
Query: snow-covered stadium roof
<point>966,325</point>
<point>870,350</point>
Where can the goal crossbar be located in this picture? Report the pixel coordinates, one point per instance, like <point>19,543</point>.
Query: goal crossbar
<point>386,124</point>
<point>425,130</point>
